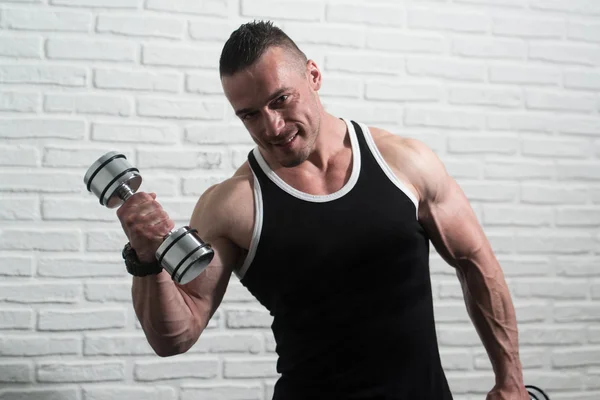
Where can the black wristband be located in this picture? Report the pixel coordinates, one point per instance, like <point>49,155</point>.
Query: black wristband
<point>137,268</point>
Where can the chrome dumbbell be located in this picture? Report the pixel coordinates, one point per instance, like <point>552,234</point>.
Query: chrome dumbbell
<point>182,253</point>
<point>535,393</point>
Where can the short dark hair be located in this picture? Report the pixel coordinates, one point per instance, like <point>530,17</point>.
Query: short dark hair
<point>247,43</point>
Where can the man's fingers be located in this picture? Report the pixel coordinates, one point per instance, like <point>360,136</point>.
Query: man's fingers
<point>134,202</point>
<point>148,208</point>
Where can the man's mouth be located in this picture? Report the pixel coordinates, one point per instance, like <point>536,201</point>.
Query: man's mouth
<point>286,141</point>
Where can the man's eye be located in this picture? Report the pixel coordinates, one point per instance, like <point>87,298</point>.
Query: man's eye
<point>248,116</point>
<point>281,99</point>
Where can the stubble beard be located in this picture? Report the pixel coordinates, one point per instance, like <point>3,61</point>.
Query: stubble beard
<point>303,153</point>
<point>296,159</point>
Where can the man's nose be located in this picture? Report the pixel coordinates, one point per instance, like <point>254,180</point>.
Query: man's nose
<point>274,123</point>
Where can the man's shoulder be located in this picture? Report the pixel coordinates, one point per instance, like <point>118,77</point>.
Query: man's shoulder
<point>232,192</point>
<point>239,184</point>
<point>411,159</point>
<point>387,141</point>
<point>228,203</point>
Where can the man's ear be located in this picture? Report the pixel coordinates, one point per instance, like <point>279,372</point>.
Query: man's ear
<point>314,75</point>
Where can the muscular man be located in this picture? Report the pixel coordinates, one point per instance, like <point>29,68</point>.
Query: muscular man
<point>328,225</point>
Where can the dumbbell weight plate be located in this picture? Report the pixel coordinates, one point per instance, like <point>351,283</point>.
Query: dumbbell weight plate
<point>184,255</point>
<point>536,393</point>
<point>110,177</point>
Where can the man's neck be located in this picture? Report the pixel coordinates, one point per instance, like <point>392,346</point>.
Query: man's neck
<point>332,139</point>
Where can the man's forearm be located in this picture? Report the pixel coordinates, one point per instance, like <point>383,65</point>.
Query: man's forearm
<point>165,316</point>
<point>491,309</point>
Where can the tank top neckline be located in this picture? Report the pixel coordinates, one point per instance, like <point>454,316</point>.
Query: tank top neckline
<point>356,165</point>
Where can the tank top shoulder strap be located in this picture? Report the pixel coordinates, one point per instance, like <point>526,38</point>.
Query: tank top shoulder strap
<point>372,158</point>
<point>360,136</point>
<point>256,169</point>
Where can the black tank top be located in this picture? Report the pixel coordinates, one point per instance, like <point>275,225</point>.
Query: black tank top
<point>346,278</point>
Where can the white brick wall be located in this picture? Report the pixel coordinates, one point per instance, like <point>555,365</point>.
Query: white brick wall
<point>505,91</point>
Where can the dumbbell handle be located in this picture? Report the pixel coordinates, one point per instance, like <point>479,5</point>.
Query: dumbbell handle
<point>124,192</point>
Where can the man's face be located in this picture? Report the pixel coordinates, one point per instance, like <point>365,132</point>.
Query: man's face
<point>276,99</point>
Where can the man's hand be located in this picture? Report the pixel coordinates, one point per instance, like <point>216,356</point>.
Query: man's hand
<point>145,223</point>
<point>508,393</point>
